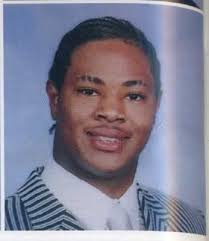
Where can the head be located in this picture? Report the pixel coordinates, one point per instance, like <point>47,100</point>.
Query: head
<point>104,89</point>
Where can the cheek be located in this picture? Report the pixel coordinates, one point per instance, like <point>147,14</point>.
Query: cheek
<point>142,118</point>
<point>78,111</point>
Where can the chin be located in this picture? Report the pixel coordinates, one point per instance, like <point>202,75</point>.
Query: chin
<point>105,174</point>
<point>107,171</point>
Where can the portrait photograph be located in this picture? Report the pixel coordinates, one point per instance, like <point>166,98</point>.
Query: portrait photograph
<point>104,117</point>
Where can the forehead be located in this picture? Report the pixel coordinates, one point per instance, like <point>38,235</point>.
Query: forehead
<point>113,57</point>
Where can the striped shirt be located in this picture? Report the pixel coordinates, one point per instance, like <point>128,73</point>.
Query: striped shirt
<point>34,207</point>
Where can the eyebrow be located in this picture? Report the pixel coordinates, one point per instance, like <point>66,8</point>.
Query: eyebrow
<point>98,81</point>
<point>131,83</point>
<point>89,78</point>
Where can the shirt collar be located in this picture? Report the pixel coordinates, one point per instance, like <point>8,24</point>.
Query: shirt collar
<point>88,204</point>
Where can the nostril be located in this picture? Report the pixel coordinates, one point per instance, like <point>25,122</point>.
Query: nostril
<point>100,116</point>
<point>110,116</point>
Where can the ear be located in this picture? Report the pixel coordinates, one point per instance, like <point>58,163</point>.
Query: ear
<point>53,95</point>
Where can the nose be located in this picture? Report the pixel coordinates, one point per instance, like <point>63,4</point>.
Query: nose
<point>110,109</point>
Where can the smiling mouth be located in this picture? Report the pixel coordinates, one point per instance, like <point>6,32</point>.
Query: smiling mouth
<point>107,140</point>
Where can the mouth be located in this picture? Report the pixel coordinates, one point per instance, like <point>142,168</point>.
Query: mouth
<point>108,139</point>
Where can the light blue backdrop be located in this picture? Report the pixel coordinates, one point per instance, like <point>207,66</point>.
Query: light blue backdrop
<point>173,160</point>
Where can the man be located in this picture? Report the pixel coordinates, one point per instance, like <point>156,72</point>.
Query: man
<point>104,90</point>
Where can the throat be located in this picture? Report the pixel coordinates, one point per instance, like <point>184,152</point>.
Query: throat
<point>114,188</point>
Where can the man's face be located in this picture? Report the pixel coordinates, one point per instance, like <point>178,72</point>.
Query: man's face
<point>106,107</point>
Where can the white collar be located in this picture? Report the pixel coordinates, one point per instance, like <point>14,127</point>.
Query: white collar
<point>88,204</point>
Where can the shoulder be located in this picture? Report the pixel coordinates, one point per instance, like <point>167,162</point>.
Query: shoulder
<point>169,213</point>
<point>34,207</point>
<point>16,217</point>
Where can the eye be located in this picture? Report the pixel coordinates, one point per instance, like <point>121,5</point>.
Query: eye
<point>87,91</point>
<point>135,97</point>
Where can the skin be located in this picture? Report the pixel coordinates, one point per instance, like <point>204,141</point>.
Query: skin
<point>104,113</point>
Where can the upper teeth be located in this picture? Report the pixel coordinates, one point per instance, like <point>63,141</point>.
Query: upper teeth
<point>110,139</point>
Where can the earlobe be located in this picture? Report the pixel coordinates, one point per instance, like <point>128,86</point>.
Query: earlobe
<point>53,96</point>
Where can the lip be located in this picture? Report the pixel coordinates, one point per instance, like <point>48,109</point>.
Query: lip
<point>108,139</point>
<point>109,132</point>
